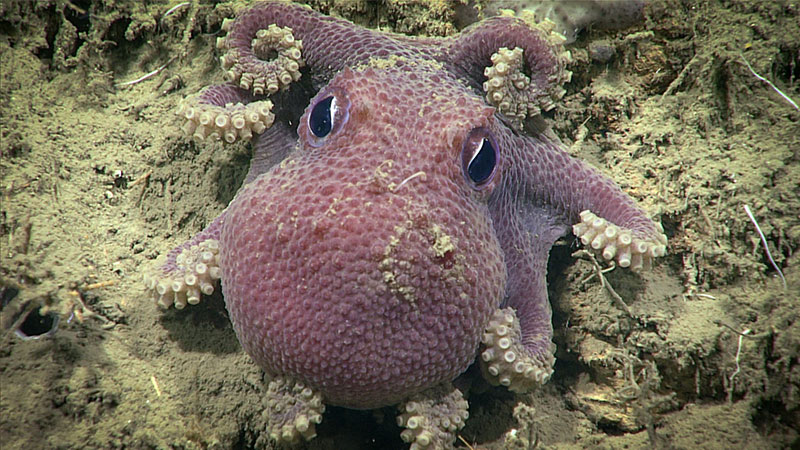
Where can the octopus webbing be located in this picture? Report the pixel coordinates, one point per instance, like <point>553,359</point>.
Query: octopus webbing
<point>402,231</point>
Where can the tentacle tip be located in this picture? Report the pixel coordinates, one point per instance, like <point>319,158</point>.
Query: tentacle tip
<point>207,120</point>
<point>506,361</point>
<point>432,417</point>
<point>182,279</point>
<point>292,416</point>
<point>615,242</point>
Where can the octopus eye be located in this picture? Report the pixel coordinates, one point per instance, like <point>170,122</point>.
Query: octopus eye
<point>320,121</point>
<point>479,158</point>
<point>325,117</point>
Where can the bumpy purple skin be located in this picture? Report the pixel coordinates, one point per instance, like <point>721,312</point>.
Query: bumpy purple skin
<point>304,245</point>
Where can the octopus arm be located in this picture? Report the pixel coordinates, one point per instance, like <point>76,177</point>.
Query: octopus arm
<point>543,193</point>
<point>225,112</point>
<point>188,271</point>
<point>602,216</point>
<point>473,53</point>
<point>517,349</point>
<point>270,149</point>
<point>191,269</point>
<point>328,44</point>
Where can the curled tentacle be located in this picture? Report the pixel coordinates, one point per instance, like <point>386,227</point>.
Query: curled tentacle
<point>264,73</point>
<point>191,270</point>
<point>507,361</point>
<point>324,44</point>
<point>520,66</point>
<point>517,351</point>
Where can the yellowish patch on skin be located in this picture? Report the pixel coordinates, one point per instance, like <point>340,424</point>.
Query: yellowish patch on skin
<point>331,210</point>
<point>278,230</point>
<point>286,162</point>
<point>388,265</point>
<point>292,176</point>
<point>392,60</point>
<point>377,181</point>
<point>393,241</point>
<point>388,278</point>
<point>380,175</point>
<point>443,243</point>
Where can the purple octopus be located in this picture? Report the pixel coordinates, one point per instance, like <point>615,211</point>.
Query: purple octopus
<point>403,230</point>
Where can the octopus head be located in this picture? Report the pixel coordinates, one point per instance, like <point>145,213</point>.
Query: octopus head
<point>366,264</point>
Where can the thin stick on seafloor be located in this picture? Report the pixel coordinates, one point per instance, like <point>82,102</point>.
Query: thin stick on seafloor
<point>785,97</point>
<point>174,8</point>
<point>764,243</point>
<point>147,75</point>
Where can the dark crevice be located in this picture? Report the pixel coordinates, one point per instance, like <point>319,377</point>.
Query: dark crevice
<point>787,66</point>
<point>51,30</point>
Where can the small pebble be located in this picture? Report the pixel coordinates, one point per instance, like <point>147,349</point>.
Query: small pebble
<point>602,51</point>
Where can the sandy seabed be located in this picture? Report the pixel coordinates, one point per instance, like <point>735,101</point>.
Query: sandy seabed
<point>97,180</point>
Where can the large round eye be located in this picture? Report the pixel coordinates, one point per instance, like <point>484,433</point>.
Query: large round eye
<point>479,157</point>
<point>325,117</point>
<point>320,121</point>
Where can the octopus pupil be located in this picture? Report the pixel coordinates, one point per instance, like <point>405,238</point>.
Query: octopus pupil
<point>320,121</point>
<point>482,164</point>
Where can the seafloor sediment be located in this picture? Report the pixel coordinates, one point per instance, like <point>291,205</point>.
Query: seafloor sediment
<point>97,179</point>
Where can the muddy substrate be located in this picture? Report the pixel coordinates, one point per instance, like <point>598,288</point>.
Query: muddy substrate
<point>98,180</point>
